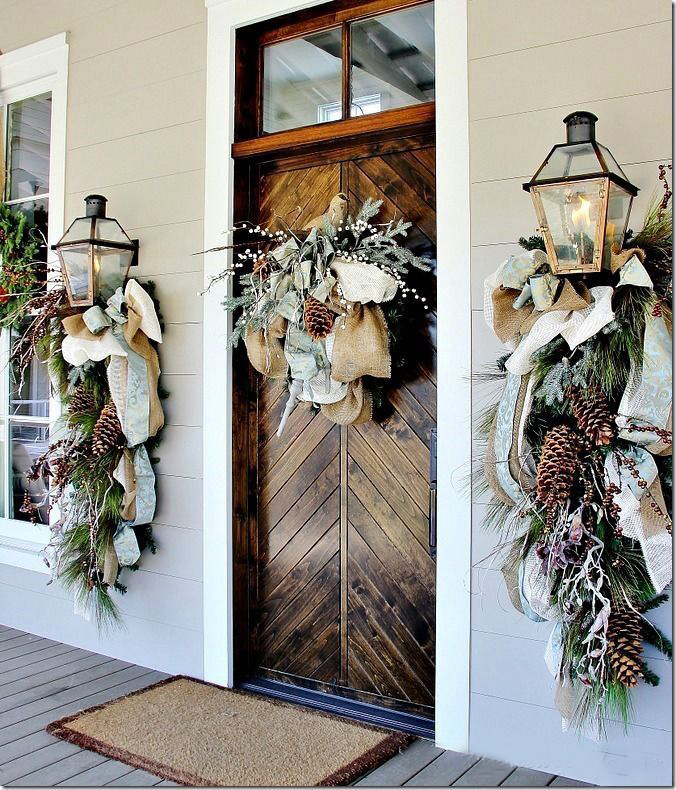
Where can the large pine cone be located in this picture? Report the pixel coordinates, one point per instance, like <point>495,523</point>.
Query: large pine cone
<point>107,431</point>
<point>558,466</point>
<point>592,414</point>
<point>81,401</point>
<point>625,645</point>
<point>318,318</point>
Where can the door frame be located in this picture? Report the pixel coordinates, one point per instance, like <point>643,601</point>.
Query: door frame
<point>452,696</point>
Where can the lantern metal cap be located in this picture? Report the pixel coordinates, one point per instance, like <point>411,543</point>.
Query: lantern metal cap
<point>95,206</point>
<point>580,127</point>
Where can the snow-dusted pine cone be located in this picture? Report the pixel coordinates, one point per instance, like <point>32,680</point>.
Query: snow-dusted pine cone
<point>558,466</point>
<point>318,318</point>
<point>625,645</point>
<point>107,431</point>
<point>592,414</point>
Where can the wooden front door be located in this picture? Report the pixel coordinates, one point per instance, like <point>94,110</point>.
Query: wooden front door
<point>341,581</point>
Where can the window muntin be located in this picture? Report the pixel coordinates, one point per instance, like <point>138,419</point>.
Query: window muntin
<point>392,56</point>
<point>25,402</point>
<point>305,80</point>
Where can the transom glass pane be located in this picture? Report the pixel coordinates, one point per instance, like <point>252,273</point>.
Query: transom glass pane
<point>392,60</point>
<point>28,131</point>
<point>301,81</point>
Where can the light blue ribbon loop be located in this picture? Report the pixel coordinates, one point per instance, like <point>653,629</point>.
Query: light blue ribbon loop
<point>145,487</point>
<point>135,419</point>
<point>125,544</point>
<point>96,320</point>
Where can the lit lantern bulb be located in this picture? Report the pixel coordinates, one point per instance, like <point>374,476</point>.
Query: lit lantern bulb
<point>580,216</point>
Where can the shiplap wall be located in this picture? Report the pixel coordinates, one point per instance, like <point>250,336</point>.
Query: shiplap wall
<point>135,132</point>
<point>532,62</point>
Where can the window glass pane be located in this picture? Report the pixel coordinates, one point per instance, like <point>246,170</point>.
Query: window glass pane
<point>29,442</point>
<point>28,131</point>
<point>301,81</point>
<point>392,60</point>
<point>29,396</point>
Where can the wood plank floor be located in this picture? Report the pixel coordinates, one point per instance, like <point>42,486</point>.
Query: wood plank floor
<point>42,680</point>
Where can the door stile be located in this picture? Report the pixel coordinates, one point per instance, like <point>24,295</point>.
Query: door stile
<point>344,529</point>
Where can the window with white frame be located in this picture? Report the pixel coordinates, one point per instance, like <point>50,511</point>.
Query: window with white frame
<point>33,87</point>
<point>25,399</point>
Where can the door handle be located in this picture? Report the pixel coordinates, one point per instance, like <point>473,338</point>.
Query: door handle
<point>432,518</point>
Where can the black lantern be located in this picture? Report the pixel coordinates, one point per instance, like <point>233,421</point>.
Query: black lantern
<point>582,200</point>
<point>95,254</point>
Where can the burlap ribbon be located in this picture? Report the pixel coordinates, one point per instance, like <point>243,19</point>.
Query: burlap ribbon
<point>356,407</point>
<point>361,346</point>
<point>266,350</point>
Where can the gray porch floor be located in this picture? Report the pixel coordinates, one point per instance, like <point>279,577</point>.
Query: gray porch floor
<point>42,680</point>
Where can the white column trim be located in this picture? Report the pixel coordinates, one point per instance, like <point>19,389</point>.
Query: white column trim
<point>454,339</point>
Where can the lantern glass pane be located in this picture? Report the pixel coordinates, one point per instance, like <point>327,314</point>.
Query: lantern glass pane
<point>110,267</point>
<point>80,229</point>
<point>611,163</point>
<point>619,206</point>
<point>110,230</point>
<point>570,160</point>
<point>572,215</point>
<point>75,266</point>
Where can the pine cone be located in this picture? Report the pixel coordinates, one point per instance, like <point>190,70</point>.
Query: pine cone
<point>82,400</point>
<point>558,466</point>
<point>625,645</point>
<point>592,413</point>
<point>107,431</point>
<point>318,318</point>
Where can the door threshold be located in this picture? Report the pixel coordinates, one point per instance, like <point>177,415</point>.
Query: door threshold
<point>340,706</point>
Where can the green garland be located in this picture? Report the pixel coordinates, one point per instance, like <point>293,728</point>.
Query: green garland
<point>602,364</point>
<point>19,275</point>
<point>89,498</point>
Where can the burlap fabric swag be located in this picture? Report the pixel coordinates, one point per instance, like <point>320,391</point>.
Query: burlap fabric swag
<point>311,306</point>
<point>121,333</point>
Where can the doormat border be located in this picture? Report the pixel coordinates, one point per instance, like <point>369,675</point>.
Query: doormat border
<point>371,759</point>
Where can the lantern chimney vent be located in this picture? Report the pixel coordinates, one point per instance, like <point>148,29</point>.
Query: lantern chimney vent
<point>580,127</point>
<point>95,206</point>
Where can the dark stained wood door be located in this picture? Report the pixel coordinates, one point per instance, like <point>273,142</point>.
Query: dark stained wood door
<point>341,580</point>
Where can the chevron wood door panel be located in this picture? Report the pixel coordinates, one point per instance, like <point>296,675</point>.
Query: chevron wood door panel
<point>342,584</point>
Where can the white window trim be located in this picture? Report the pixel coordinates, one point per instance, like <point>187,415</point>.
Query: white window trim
<point>454,361</point>
<point>30,71</point>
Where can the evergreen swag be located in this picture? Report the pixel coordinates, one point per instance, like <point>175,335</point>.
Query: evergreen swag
<point>20,278</point>
<point>87,443</point>
<point>565,549</point>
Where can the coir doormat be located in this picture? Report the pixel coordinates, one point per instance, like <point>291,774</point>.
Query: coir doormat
<point>198,734</point>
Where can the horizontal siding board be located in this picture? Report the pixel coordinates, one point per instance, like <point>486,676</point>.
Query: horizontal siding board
<point>531,736</point>
<point>143,640</point>
<point>180,296</point>
<point>179,502</point>
<point>173,101</point>
<point>585,69</point>
<point>183,406</point>
<point>152,154</point>
<point>168,248</point>
<point>179,553</point>
<point>138,202</point>
<point>181,350</point>
<point>497,671</point>
<point>492,29</point>
<point>121,24</point>
<point>485,260</point>
<point>514,146</point>
<point>140,64</point>
<point>180,452</point>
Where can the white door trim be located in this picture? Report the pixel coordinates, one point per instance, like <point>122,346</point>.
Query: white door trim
<point>454,359</point>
